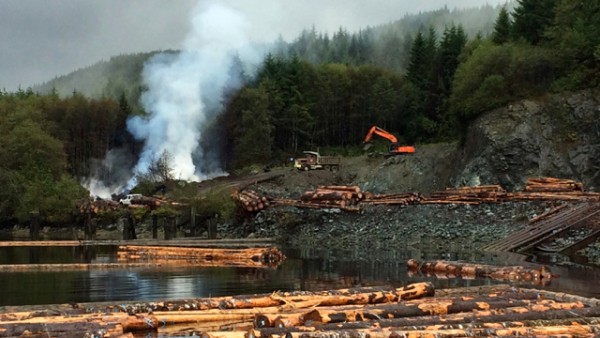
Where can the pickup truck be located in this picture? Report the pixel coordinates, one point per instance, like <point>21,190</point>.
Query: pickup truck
<point>314,161</point>
<point>130,197</point>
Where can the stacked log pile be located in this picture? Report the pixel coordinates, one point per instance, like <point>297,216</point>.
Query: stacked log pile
<point>334,195</point>
<point>89,206</point>
<point>467,195</point>
<point>351,198</point>
<point>412,311</point>
<point>250,200</point>
<point>553,189</point>
<point>342,197</point>
<point>170,255</point>
<point>444,270</point>
<point>94,207</point>
<point>393,199</point>
<point>551,184</point>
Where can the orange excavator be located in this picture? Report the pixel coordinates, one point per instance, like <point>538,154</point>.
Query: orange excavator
<point>395,148</point>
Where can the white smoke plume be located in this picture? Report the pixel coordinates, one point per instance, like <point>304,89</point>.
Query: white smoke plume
<point>182,85</point>
<point>110,174</point>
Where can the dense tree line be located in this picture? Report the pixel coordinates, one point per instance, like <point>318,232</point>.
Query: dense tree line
<point>323,92</point>
<point>47,144</point>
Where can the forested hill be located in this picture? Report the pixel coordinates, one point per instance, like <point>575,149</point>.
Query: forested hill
<point>387,45</point>
<point>448,79</point>
<point>121,75</point>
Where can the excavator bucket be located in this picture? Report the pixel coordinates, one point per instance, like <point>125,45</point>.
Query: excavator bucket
<point>367,146</point>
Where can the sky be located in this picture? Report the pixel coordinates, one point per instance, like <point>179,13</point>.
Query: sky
<point>43,39</point>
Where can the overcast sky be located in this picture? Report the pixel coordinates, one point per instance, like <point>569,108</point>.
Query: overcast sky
<point>41,39</point>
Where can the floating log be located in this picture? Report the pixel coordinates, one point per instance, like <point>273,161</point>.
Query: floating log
<point>115,324</point>
<point>344,314</point>
<point>73,267</point>
<point>374,312</point>
<point>292,300</point>
<point>257,256</point>
<point>541,312</point>
<point>470,271</point>
<point>575,330</point>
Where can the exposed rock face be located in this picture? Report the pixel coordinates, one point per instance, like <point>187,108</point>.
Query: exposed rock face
<point>558,136</point>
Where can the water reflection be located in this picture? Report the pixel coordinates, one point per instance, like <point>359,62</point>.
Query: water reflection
<point>302,270</point>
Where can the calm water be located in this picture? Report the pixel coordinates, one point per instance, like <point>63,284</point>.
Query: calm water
<point>302,270</point>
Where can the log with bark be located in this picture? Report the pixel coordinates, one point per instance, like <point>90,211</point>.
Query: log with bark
<point>314,205</point>
<point>291,300</point>
<point>446,269</point>
<point>343,195</point>
<point>551,184</point>
<point>221,257</point>
<point>250,200</point>
<point>574,330</point>
<point>392,199</point>
<point>343,314</point>
<point>113,324</point>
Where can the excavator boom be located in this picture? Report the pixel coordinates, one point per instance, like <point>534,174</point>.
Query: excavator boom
<point>394,149</point>
<point>378,131</point>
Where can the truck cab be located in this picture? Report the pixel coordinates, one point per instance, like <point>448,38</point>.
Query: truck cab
<point>313,161</point>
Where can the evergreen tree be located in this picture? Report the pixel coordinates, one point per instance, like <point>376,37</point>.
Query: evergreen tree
<point>502,27</point>
<point>417,64</point>
<point>531,18</point>
<point>576,37</point>
<point>453,42</point>
<point>253,142</point>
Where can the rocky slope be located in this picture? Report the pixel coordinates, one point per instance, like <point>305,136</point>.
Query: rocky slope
<point>555,136</point>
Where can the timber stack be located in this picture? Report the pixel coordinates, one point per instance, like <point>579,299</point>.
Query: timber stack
<point>467,195</point>
<point>410,198</point>
<point>89,206</point>
<point>171,255</point>
<point>250,200</point>
<point>415,310</point>
<point>553,189</point>
<point>342,195</point>
<point>351,198</point>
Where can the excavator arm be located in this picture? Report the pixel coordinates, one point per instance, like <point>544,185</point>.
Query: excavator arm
<point>378,131</point>
<point>394,148</point>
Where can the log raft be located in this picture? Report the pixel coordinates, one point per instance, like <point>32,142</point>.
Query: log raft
<point>416,310</point>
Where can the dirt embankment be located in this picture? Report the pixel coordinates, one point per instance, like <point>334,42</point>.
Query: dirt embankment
<point>556,136</point>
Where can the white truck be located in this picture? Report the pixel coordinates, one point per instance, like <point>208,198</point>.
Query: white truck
<point>314,161</point>
<point>130,197</point>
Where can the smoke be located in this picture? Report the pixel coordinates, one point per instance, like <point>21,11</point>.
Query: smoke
<point>184,88</point>
<point>110,174</point>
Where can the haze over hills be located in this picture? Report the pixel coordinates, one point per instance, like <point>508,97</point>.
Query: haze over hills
<point>121,74</point>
